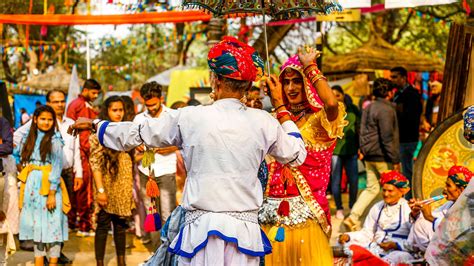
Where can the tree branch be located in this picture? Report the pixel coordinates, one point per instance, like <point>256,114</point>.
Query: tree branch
<point>402,29</point>
<point>430,11</point>
<point>350,32</point>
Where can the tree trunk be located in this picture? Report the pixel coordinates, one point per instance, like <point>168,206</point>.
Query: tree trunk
<point>275,35</point>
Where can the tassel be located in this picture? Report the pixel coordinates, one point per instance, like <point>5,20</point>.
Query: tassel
<point>284,208</point>
<point>152,189</point>
<point>280,236</point>
<point>149,223</point>
<point>157,218</point>
<point>272,233</point>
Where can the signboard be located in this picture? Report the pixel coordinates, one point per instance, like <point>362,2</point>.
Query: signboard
<point>413,3</point>
<point>354,3</point>
<point>348,15</point>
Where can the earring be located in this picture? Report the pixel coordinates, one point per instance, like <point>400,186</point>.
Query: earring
<point>212,95</point>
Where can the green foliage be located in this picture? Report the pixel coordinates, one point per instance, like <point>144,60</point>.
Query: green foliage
<point>426,31</point>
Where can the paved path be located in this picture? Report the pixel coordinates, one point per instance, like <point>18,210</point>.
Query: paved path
<point>81,249</point>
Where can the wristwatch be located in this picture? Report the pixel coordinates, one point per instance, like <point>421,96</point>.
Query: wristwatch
<point>101,190</point>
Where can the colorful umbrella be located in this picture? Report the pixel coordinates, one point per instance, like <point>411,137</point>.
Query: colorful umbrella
<point>278,9</point>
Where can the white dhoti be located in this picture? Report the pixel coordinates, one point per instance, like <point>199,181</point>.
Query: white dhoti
<point>219,252</point>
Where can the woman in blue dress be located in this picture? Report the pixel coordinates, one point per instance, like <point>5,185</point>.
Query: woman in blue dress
<point>42,217</point>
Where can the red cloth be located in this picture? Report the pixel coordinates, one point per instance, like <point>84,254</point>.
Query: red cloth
<point>363,257</point>
<point>78,108</point>
<point>316,169</point>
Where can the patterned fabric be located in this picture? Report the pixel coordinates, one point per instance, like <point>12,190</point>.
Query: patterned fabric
<point>280,9</point>
<point>460,175</point>
<point>394,178</point>
<point>263,175</point>
<point>36,222</point>
<point>117,188</point>
<point>235,60</point>
<point>469,124</point>
<point>293,63</point>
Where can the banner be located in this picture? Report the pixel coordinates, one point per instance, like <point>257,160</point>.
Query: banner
<point>74,87</point>
<point>413,3</point>
<point>347,15</point>
<point>354,3</point>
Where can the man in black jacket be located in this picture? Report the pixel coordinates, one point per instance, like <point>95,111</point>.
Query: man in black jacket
<point>409,109</point>
<point>379,144</point>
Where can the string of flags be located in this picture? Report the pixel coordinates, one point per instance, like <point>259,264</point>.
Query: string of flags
<point>428,16</point>
<point>104,43</point>
<point>22,88</point>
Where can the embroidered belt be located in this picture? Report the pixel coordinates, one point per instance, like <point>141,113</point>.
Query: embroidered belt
<point>299,211</point>
<point>250,216</point>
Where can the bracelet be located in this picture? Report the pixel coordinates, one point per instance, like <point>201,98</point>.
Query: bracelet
<point>281,114</point>
<point>280,106</point>
<point>316,78</point>
<point>312,65</point>
<point>310,73</point>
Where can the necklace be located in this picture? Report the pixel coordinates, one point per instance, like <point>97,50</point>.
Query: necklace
<point>299,107</point>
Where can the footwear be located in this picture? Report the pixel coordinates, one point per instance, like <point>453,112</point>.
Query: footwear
<point>340,214</point>
<point>351,225</point>
<point>63,259</point>
<point>145,240</point>
<point>27,245</point>
<point>85,234</point>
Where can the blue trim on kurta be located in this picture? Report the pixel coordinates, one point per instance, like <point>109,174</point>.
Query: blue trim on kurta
<point>295,134</point>
<point>102,129</point>
<point>433,226</point>
<point>267,247</point>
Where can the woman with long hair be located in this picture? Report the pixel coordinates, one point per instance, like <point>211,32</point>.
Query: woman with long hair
<point>40,156</point>
<point>113,176</point>
<point>345,154</point>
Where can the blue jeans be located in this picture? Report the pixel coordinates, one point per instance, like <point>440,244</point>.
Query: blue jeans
<point>350,164</point>
<point>407,151</point>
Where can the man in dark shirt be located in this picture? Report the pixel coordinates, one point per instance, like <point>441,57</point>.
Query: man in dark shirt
<point>379,144</point>
<point>409,109</point>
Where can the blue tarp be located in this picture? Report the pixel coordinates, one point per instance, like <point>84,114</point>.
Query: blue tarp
<point>28,102</point>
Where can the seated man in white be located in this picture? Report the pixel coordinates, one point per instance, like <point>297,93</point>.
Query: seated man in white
<point>426,223</point>
<point>387,225</point>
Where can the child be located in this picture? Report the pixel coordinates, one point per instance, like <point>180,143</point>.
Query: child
<point>42,203</point>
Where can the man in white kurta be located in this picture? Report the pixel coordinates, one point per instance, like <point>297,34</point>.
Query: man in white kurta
<point>387,225</point>
<point>222,145</point>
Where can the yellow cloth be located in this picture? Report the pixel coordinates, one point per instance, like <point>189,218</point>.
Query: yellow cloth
<point>305,244</point>
<point>44,190</point>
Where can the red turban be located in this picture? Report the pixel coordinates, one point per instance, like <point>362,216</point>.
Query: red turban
<point>394,178</point>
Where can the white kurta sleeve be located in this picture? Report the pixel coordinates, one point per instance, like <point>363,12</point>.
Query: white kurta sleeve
<point>289,146</point>
<point>77,158</point>
<point>153,132</point>
<point>367,234</point>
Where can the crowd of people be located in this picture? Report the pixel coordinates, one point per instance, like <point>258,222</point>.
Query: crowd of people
<point>237,185</point>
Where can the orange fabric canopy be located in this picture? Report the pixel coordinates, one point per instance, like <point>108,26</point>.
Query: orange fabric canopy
<point>141,18</point>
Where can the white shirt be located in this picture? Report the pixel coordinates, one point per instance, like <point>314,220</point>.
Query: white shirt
<point>164,164</point>
<point>71,153</point>
<point>223,145</point>
<point>384,223</point>
<point>422,230</point>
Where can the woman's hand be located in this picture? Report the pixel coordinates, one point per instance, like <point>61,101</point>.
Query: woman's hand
<point>102,199</point>
<point>276,90</point>
<point>51,202</point>
<point>81,123</point>
<point>308,55</point>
